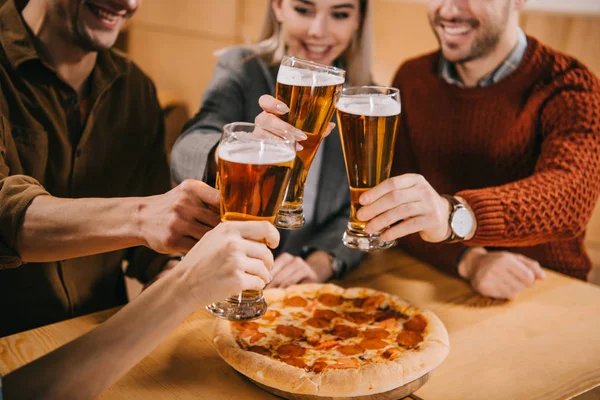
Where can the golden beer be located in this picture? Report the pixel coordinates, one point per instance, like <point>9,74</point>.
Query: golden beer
<point>367,120</point>
<point>254,169</point>
<point>311,91</point>
<point>253,183</point>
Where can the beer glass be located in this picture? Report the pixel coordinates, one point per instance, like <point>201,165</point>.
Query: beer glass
<point>367,120</point>
<point>311,91</point>
<point>255,165</point>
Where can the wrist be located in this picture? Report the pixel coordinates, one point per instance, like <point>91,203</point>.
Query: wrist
<point>140,204</point>
<point>470,210</point>
<point>469,261</point>
<point>321,263</point>
<point>183,289</point>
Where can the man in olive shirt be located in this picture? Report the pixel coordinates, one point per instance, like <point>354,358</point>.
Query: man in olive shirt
<point>81,134</point>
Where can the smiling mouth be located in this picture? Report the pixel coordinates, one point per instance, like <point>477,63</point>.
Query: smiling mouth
<point>318,50</point>
<point>104,13</point>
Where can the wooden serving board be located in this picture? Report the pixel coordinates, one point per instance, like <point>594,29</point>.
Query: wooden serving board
<point>394,394</point>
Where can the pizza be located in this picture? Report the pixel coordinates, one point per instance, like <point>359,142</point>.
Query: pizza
<point>321,339</point>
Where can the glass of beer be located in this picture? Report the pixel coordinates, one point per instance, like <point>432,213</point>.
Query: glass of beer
<point>311,91</point>
<point>255,166</point>
<point>367,120</point>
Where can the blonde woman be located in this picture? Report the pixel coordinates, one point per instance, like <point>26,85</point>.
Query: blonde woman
<point>332,32</point>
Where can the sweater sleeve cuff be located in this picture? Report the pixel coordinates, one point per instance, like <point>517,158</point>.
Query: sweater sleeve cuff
<point>16,194</point>
<point>190,155</point>
<point>489,213</point>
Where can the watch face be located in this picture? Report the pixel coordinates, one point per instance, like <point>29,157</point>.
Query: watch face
<point>462,222</point>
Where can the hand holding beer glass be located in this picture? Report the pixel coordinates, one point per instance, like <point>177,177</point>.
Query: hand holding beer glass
<point>255,165</point>
<point>311,91</point>
<point>367,120</point>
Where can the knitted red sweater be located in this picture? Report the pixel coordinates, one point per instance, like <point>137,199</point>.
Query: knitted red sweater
<point>524,153</point>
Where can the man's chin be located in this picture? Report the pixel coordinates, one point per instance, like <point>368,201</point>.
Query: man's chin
<point>91,43</point>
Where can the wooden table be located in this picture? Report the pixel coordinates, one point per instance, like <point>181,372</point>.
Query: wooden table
<point>543,345</point>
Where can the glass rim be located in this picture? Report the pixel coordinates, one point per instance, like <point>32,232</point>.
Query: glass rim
<point>285,136</point>
<point>391,91</point>
<point>327,68</point>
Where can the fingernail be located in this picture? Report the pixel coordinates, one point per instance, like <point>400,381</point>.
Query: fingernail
<point>299,147</point>
<point>364,200</point>
<point>300,135</point>
<point>282,108</point>
<point>270,277</point>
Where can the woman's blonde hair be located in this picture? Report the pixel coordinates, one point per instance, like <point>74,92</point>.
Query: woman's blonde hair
<point>356,59</point>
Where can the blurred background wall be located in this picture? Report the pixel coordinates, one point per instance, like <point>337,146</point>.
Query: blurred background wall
<point>174,42</point>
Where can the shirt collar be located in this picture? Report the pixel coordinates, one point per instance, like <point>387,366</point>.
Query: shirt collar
<point>447,70</point>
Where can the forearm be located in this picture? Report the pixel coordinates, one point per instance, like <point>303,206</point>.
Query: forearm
<point>547,206</point>
<point>90,364</point>
<point>57,229</point>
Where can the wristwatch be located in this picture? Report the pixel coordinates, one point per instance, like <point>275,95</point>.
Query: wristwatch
<point>461,220</point>
<point>337,265</point>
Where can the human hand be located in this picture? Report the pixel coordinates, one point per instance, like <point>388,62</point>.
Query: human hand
<point>173,222</point>
<point>269,117</point>
<point>289,270</point>
<point>499,274</point>
<point>229,259</point>
<point>406,204</point>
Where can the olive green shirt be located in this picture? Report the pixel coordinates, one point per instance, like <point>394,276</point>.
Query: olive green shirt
<point>46,147</point>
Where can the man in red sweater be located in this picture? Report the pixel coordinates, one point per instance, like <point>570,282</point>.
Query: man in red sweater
<point>497,159</point>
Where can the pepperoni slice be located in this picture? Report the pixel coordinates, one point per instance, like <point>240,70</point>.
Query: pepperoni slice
<point>318,366</point>
<point>246,333</point>
<point>375,333</point>
<point>296,362</point>
<point>326,344</point>
<point>291,350</point>
<point>371,303</point>
<point>391,354</point>
<point>417,323</point>
<point>295,301</point>
<point>257,336</point>
<point>389,323</point>
<point>344,331</point>
<point>318,322</point>
<point>344,363</point>
<point>260,350</point>
<point>383,315</point>
<point>330,300</point>
<point>358,302</point>
<point>271,315</point>
<point>409,339</point>
<point>325,314</point>
<point>290,331</point>
<point>372,344</point>
<point>350,350</point>
<point>242,326</point>
<point>358,317</point>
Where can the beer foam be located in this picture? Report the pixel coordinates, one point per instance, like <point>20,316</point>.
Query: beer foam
<point>301,77</point>
<point>377,105</point>
<point>256,153</point>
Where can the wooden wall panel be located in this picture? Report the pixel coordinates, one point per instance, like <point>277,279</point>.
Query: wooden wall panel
<point>401,32</point>
<point>179,64</point>
<point>253,15</point>
<point>577,35</point>
<point>202,17</point>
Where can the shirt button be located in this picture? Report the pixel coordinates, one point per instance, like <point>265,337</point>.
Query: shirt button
<point>74,101</point>
<point>78,153</point>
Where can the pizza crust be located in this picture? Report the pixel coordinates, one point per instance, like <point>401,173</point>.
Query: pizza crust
<point>365,380</point>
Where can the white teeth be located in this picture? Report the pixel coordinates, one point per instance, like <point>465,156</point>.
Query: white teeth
<point>104,14</point>
<point>456,30</point>
<point>317,49</point>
